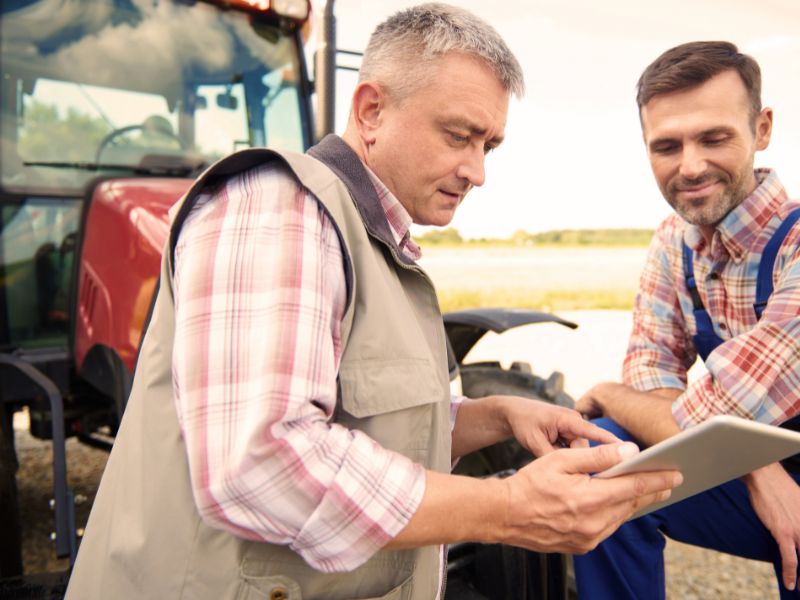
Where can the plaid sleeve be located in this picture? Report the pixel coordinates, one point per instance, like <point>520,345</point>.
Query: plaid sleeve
<point>660,351</point>
<point>259,299</point>
<point>755,375</point>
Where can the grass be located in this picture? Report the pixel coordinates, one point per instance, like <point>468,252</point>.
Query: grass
<point>548,300</point>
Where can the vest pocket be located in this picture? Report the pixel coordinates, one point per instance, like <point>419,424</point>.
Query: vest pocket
<point>274,587</point>
<point>402,404</point>
<point>373,387</point>
<point>396,593</point>
<point>284,583</point>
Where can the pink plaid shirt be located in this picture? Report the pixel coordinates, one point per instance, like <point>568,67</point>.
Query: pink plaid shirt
<point>259,299</point>
<point>755,373</point>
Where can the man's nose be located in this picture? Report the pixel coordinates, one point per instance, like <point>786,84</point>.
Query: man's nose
<point>471,167</point>
<point>693,162</point>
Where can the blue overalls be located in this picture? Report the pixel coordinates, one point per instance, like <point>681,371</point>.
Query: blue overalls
<point>630,564</point>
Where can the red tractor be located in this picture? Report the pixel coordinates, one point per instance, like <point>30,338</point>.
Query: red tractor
<point>109,110</point>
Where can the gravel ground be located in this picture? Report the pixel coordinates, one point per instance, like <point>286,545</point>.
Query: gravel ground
<point>692,573</point>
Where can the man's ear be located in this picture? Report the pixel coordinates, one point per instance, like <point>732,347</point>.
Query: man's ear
<point>369,101</point>
<point>763,128</point>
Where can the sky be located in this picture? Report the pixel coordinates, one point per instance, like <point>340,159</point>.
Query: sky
<point>573,155</point>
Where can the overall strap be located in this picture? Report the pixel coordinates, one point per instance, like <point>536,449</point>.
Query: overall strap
<point>705,340</point>
<point>688,274</point>
<point>765,267</point>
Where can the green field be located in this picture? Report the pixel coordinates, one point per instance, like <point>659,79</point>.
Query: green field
<point>546,300</point>
<point>550,278</point>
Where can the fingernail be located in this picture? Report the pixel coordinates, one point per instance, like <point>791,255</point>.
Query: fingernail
<point>678,479</point>
<point>627,449</point>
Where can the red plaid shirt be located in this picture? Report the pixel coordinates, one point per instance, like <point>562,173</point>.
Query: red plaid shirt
<point>259,299</point>
<point>755,373</point>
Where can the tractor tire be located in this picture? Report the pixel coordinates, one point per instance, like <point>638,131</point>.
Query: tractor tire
<point>503,571</point>
<point>485,378</point>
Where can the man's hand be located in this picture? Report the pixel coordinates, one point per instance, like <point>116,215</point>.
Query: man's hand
<point>551,505</point>
<point>541,427</point>
<point>555,506</point>
<point>776,499</point>
<point>647,416</point>
<point>592,404</point>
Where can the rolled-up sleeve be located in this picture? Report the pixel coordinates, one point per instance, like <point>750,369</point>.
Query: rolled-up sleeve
<point>259,298</point>
<point>660,351</point>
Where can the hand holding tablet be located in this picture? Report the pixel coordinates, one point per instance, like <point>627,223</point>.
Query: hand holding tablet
<point>710,454</point>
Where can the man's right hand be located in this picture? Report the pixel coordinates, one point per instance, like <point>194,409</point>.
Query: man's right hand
<point>554,505</point>
<point>551,505</point>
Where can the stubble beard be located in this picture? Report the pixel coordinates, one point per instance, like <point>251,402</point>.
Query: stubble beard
<point>708,211</point>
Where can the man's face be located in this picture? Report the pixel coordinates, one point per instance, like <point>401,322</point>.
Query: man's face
<point>429,149</point>
<point>701,147</point>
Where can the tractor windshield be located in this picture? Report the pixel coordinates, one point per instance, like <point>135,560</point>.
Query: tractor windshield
<point>96,87</point>
<point>103,88</point>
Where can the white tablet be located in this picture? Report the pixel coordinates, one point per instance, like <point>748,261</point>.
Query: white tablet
<point>710,454</point>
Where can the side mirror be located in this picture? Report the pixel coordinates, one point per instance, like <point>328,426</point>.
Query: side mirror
<point>227,101</point>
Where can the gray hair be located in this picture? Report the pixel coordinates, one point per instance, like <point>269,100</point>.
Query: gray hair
<point>402,49</point>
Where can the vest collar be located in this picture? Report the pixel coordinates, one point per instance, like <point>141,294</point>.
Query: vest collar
<point>340,158</point>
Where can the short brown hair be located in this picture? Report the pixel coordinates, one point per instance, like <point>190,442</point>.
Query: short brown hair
<point>689,65</point>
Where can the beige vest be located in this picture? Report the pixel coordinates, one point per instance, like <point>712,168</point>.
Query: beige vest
<point>145,538</point>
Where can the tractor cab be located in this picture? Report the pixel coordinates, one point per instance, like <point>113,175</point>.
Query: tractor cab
<point>109,109</point>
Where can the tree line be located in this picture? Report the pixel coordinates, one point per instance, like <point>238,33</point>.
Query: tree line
<point>450,236</point>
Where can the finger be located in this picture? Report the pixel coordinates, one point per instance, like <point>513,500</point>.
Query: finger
<point>579,443</point>
<point>540,444</point>
<point>789,563</point>
<point>646,500</point>
<point>575,428</point>
<point>599,458</point>
<point>622,511</point>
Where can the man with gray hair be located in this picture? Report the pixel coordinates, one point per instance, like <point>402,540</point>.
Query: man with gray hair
<point>290,430</point>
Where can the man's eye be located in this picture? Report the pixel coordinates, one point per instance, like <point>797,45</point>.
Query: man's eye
<point>488,148</point>
<point>714,141</point>
<point>664,149</point>
<point>458,138</point>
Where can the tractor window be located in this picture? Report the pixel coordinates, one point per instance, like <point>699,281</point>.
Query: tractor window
<point>64,121</point>
<point>282,122</point>
<point>222,123</point>
<point>114,87</point>
<point>37,243</point>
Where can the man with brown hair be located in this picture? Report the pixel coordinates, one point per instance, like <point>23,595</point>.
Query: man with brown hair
<point>722,281</point>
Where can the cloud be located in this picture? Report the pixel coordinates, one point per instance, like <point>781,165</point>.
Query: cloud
<point>152,48</point>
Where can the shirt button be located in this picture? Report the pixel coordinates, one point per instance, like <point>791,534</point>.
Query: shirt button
<point>278,593</point>
<point>714,276</point>
<point>723,326</point>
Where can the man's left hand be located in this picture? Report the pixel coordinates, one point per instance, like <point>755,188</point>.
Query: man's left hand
<point>592,404</point>
<point>538,426</point>
<point>776,499</point>
<point>541,427</point>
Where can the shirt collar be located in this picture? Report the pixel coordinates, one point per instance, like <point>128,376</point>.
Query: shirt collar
<point>397,216</point>
<point>740,227</point>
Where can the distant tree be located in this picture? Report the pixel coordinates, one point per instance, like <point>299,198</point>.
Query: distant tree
<point>448,236</point>
<point>594,237</point>
<point>521,238</point>
<point>48,136</point>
